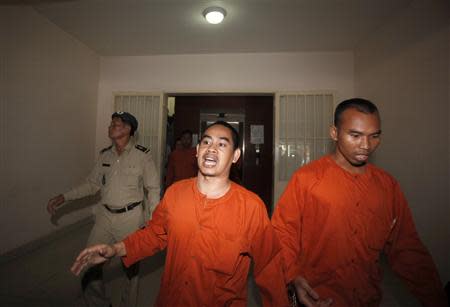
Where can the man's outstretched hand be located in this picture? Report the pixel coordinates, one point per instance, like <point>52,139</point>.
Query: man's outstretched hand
<point>94,255</point>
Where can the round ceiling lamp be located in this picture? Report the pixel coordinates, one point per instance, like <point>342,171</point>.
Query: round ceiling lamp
<point>214,15</point>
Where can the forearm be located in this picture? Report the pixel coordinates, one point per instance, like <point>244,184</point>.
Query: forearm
<point>270,281</point>
<point>81,191</point>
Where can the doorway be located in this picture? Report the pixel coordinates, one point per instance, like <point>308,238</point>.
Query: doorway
<point>252,116</point>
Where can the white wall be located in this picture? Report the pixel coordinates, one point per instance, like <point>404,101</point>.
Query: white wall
<point>404,68</point>
<point>236,73</point>
<point>48,102</point>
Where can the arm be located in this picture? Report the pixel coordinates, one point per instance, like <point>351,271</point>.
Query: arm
<point>90,186</point>
<point>266,253</point>
<point>151,183</point>
<point>149,240</point>
<point>97,254</point>
<point>410,259</point>
<point>287,222</point>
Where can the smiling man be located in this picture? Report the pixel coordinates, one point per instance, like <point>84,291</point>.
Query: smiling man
<point>212,228</point>
<point>340,212</point>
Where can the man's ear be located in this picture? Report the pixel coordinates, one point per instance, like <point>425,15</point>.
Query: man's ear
<point>236,155</point>
<point>196,150</point>
<point>333,133</point>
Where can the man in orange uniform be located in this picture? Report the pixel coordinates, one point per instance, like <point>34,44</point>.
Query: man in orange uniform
<point>182,161</point>
<point>212,229</point>
<point>339,213</point>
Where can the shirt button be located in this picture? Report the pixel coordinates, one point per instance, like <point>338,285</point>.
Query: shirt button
<point>357,204</point>
<point>186,283</point>
<point>355,232</point>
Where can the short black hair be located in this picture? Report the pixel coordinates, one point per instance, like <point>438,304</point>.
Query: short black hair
<point>360,104</point>
<point>234,133</point>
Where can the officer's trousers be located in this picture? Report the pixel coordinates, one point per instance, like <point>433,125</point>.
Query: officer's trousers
<point>110,228</point>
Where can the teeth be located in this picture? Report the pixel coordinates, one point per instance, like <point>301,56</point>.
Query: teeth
<point>210,159</point>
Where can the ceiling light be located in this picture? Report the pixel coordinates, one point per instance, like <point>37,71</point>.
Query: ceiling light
<point>214,15</point>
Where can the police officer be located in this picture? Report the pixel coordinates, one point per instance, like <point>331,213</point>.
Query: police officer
<point>121,173</point>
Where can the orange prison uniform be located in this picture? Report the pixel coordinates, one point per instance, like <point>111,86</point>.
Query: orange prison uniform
<point>210,243</point>
<point>182,165</point>
<point>333,225</point>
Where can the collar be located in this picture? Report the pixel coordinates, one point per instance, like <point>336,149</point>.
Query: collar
<point>200,196</point>
<point>127,148</point>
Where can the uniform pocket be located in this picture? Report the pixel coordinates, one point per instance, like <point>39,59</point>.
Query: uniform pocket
<point>131,176</point>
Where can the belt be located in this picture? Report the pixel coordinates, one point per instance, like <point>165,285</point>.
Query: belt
<point>124,209</point>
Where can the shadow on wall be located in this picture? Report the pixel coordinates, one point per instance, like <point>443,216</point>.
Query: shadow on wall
<point>73,206</point>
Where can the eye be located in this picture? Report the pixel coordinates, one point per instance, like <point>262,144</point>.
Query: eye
<point>205,142</point>
<point>375,136</point>
<point>222,145</point>
<point>354,135</point>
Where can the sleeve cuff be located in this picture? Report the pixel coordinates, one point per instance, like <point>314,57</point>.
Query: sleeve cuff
<point>130,258</point>
<point>68,196</point>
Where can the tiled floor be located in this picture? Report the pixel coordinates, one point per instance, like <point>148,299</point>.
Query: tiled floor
<point>42,278</point>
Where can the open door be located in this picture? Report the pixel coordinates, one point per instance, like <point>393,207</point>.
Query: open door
<point>302,122</point>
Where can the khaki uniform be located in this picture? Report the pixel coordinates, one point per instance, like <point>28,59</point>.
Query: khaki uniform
<point>121,180</point>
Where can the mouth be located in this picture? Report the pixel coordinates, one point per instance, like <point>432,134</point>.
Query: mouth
<point>362,157</point>
<point>210,160</point>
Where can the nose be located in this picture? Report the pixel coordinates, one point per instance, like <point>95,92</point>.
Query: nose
<point>212,147</point>
<point>364,142</point>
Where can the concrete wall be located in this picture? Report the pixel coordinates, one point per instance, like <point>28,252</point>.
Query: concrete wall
<point>237,73</point>
<point>404,68</point>
<point>49,85</point>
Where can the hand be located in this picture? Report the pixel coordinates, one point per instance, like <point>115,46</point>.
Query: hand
<point>54,203</point>
<point>307,296</point>
<point>93,255</point>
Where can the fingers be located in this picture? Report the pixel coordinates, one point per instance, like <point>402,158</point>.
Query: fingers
<point>308,296</point>
<point>51,206</point>
<point>326,303</point>
<point>53,203</point>
<point>308,301</point>
<point>309,291</point>
<point>91,255</point>
<point>77,267</point>
<point>81,262</point>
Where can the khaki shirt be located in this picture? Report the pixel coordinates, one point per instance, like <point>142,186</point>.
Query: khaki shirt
<point>121,178</point>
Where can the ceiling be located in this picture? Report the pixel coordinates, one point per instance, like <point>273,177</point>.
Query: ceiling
<point>150,27</point>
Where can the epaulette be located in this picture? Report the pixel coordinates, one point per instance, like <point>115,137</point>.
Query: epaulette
<point>105,149</point>
<point>142,148</point>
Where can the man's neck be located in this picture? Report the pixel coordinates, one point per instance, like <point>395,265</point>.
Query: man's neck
<point>213,187</point>
<point>121,143</point>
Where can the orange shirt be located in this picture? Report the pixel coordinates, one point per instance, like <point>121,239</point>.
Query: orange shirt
<point>333,225</point>
<point>182,165</point>
<point>210,243</point>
